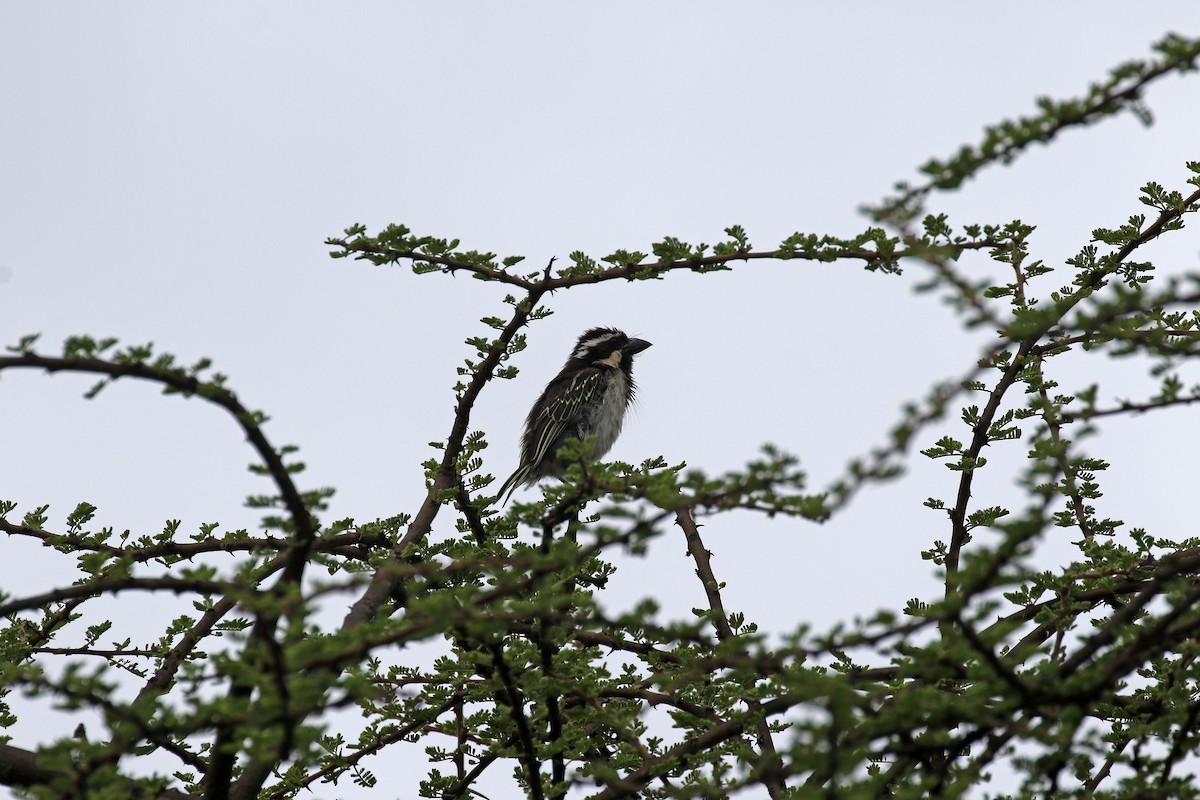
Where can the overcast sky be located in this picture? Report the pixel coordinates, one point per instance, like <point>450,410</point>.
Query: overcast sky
<point>169,172</point>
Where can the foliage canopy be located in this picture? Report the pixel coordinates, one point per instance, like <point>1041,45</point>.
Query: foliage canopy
<point>1072,682</point>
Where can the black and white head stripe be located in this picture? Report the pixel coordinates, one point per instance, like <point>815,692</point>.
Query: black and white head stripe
<point>598,343</point>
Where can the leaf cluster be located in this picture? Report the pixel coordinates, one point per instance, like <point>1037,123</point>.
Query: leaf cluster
<point>1074,680</point>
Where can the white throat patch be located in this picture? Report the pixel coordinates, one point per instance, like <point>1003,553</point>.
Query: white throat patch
<point>613,359</point>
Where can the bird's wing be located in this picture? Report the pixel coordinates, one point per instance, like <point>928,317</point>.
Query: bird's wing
<point>562,410</point>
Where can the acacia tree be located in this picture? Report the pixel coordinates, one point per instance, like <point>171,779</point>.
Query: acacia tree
<point>1075,681</point>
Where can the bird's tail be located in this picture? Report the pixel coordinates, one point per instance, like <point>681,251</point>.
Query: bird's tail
<point>510,485</point>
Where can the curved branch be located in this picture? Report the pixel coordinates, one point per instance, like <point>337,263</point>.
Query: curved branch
<point>114,585</point>
<point>345,544</point>
<point>19,768</point>
<point>178,380</point>
<point>1008,140</point>
<point>643,270</point>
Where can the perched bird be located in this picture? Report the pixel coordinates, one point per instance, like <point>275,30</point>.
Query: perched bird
<point>588,397</point>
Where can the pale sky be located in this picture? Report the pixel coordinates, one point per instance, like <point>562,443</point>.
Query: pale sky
<point>170,171</point>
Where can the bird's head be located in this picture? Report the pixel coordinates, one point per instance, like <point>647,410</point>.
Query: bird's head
<point>607,347</point>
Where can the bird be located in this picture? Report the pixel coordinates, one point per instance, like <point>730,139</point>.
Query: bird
<point>588,397</point>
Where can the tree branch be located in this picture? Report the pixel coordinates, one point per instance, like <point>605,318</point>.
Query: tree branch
<point>770,767</point>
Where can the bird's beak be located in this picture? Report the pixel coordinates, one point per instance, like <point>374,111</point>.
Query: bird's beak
<point>634,346</point>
